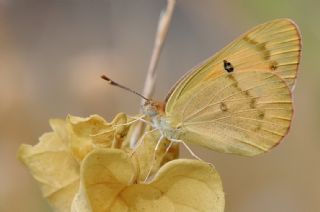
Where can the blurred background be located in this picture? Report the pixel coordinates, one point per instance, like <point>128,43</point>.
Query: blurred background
<point>53,52</point>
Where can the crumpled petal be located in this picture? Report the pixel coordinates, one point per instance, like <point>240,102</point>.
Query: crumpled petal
<point>55,161</point>
<point>106,173</point>
<point>108,183</point>
<point>191,185</point>
<point>52,165</point>
<point>94,132</point>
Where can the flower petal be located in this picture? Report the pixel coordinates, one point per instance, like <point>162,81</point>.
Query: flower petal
<point>55,161</point>
<point>108,177</point>
<point>191,185</point>
<point>94,132</point>
<point>53,166</point>
<point>104,174</point>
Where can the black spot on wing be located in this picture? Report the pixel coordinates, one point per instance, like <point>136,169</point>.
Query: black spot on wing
<point>227,66</point>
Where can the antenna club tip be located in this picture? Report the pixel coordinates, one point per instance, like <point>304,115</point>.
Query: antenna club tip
<point>111,82</point>
<point>105,77</point>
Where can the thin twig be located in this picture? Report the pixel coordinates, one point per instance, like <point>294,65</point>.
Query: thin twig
<point>163,26</point>
<point>149,86</point>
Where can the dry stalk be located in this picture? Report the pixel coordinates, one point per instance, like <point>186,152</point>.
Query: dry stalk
<point>149,86</point>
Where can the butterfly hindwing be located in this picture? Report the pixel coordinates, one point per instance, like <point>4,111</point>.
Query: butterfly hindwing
<point>244,113</point>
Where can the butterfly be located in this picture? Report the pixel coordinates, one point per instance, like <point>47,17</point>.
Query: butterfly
<point>239,100</point>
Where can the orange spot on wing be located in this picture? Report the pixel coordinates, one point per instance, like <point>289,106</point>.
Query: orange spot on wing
<point>213,75</point>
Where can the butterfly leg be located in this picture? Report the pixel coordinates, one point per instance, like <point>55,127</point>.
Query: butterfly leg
<point>169,146</point>
<point>135,119</point>
<point>141,140</point>
<point>115,143</point>
<point>187,147</point>
<point>140,119</point>
<point>154,157</point>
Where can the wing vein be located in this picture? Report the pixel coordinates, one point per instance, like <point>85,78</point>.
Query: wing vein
<point>209,105</point>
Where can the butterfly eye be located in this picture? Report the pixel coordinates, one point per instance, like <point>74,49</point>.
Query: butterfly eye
<point>227,66</point>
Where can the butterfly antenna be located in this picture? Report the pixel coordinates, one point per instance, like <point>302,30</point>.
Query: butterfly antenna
<point>111,82</point>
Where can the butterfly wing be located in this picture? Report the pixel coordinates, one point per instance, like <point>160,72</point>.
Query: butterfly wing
<point>244,113</point>
<point>274,46</point>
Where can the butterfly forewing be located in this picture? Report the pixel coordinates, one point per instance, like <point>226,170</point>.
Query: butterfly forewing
<point>244,113</point>
<point>274,46</point>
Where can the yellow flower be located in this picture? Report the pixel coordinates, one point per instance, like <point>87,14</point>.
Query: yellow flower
<point>109,183</point>
<point>93,132</point>
<point>111,173</point>
<point>54,162</point>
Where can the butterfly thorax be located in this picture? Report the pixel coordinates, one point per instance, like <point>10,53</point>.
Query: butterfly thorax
<point>155,110</point>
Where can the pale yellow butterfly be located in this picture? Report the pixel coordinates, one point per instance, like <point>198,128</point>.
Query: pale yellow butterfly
<point>239,100</point>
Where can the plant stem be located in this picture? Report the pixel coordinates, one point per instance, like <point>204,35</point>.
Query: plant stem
<point>163,27</point>
<point>149,86</point>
